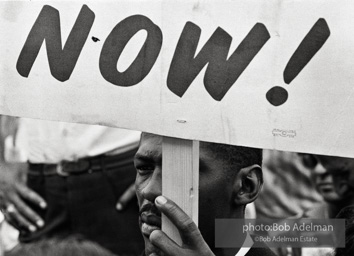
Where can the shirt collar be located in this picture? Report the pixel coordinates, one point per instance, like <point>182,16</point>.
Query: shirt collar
<point>247,244</point>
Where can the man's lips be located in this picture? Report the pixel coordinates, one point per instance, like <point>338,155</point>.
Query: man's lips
<point>325,186</point>
<point>150,222</point>
<point>147,229</point>
<point>151,219</point>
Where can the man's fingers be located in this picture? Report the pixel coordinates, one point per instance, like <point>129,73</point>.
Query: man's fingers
<point>188,230</point>
<point>160,240</point>
<point>31,196</point>
<point>26,213</point>
<point>127,196</point>
<point>17,220</point>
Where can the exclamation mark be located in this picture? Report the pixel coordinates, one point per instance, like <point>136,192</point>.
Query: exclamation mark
<point>309,46</point>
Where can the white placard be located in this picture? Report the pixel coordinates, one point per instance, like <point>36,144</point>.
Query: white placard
<point>160,66</point>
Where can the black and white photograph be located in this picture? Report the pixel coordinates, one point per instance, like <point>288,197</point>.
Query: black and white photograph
<point>176,128</point>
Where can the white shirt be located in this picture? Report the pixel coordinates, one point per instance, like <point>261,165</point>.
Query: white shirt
<point>247,245</point>
<point>52,142</point>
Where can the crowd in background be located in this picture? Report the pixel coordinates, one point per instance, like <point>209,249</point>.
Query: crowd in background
<point>295,186</point>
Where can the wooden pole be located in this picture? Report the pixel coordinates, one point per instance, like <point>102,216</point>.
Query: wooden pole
<point>180,179</point>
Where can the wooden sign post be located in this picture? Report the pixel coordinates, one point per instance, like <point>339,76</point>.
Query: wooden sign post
<point>180,179</point>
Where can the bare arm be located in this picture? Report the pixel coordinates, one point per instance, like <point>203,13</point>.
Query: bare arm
<point>14,194</point>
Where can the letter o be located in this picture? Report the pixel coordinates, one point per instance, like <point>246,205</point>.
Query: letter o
<point>114,46</point>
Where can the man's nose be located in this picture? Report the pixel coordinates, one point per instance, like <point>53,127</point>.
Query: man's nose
<point>319,169</point>
<point>154,186</point>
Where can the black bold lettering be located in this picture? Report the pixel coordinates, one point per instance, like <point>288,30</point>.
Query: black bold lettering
<point>221,72</point>
<point>47,27</point>
<point>114,46</point>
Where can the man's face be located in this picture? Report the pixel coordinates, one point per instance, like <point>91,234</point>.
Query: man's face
<point>334,176</point>
<point>215,189</point>
<point>322,179</point>
<point>342,170</point>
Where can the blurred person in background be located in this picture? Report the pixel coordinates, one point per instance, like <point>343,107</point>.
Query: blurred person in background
<point>331,178</point>
<point>8,235</point>
<point>77,177</point>
<point>288,190</point>
<point>74,246</point>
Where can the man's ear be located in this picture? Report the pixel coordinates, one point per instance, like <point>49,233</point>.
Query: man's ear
<point>247,184</point>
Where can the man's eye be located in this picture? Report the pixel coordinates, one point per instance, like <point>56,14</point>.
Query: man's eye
<point>144,169</point>
<point>309,161</point>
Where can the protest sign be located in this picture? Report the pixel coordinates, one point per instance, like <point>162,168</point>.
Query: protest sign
<point>268,74</point>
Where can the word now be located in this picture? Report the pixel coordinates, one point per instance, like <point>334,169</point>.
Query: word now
<point>221,72</point>
<point>220,75</point>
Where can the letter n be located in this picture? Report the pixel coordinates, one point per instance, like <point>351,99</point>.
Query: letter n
<point>222,72</point>
<point>47,28</point>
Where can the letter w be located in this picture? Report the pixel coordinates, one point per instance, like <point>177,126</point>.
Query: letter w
<point>47,27</point>
<point>221,72</point>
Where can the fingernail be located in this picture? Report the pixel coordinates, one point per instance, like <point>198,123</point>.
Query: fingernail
<point>160,200</point>
<point>119,207</point>
<point>42,205</point>
<point>32,228</point>
<point>40,223</point>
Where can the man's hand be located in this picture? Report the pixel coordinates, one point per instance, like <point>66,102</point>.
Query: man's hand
<point>14,198</point>
<point>193,243</point>
<point>127,196</point>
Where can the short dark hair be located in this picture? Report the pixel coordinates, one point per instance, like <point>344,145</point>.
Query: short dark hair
<point>74,245</point>
<point>237,156</point>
